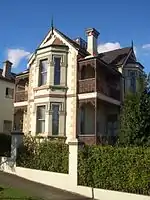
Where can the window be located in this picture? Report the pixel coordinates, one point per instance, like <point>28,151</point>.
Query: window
<point>43,72</point>
<point>132,74</point>
<point>82,120</point>
<point>7,127</point>
<point>57,70</point>
<point>133,84</point>
<point>41,119</point>
<point>112,126</point>
<point>55,119</point>
<point>9,93</point>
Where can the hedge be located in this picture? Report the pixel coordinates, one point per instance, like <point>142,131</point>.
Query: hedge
<point>5,145</point>
<point>46,155</point>
<point>112,168</point>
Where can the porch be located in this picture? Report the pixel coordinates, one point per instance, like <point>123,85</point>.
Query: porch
<point>97,121</point>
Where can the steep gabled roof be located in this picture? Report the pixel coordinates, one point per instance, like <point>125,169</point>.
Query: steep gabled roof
<point>73,43</point>
<point>115,57</point>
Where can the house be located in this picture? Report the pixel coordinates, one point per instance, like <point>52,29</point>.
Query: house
<point>71,91</point>
<point>7,84</point>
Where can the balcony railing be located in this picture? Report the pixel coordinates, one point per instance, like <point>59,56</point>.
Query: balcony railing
<point>21,96</point>
<point>87,85</point>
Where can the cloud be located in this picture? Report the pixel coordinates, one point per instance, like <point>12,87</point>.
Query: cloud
<point>146,46</point>
<point>16,55</point>
<point>109,46</point>
<point>135,50</point>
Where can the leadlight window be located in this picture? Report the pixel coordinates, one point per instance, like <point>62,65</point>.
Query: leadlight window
<point>43,72</point>
<point>57,62</point>
<point>55,119</point>
<point>41,119</point>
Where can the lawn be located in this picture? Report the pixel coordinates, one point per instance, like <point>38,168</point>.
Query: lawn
<point>8,193</point>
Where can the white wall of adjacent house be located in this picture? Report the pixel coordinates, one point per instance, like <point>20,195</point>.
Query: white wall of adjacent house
<point>6,105</point>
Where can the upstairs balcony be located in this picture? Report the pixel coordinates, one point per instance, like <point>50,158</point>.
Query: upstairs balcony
<point>21,96</point>
<point>91,85</point>
<point>94,78</point>
<point>21,89</point>
<point>87,85</point>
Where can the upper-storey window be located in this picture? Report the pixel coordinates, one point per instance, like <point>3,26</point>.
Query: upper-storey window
<point>43,72</point>
<point>9,93</point>
<point>57,61</point>
<point>132,75</point>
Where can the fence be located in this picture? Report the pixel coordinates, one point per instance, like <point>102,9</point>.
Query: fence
<point>68,182</point>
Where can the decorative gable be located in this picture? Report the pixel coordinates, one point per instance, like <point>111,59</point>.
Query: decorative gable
<point>57,41</point>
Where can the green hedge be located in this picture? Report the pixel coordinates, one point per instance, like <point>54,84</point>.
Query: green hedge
<point>46,155</point>
<point>112,168</point>
<point>5,145</point>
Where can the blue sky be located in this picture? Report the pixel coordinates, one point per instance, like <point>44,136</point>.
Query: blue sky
<point>23,24</point>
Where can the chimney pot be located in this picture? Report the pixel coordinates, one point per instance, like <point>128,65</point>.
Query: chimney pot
<point>92,36</point>
<point>7,69</point>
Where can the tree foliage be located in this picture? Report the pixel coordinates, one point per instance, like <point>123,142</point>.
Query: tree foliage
<point>135,116</point>
<point>123,169</point>
<point>45,155</point>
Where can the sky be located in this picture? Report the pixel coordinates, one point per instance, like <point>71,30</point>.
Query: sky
<point>24,24</point>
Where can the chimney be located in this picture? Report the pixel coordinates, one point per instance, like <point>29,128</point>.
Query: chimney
<point>92,35</point>
<point>7,69</point>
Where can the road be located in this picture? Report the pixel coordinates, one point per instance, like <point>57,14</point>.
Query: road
<point>36,189</point>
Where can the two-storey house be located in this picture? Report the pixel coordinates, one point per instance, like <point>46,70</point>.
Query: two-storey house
<point>71,91</point>
<point>7,84</point>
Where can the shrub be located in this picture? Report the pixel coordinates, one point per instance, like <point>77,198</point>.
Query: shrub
<point>112,168</point>
<point>5,145</point>
<point>46,155</point>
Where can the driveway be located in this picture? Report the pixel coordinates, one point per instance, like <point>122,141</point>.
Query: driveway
<point>37,189</point>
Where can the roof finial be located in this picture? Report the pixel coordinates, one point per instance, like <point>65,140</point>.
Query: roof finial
<point>52,25</point>
<point>132,44</point>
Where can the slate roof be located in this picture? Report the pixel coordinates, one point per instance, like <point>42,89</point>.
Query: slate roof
<point>115,57</point>
<point>23,73</point>
<point>9,79</point>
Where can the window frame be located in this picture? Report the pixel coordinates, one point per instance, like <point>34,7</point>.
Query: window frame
<point>41,73</point>
<point>57,70</point>
<point>55,126</point>
<point>10,95</point>
<point>112,125</point>
<point>7,131</point>
<point>38,119</point>
<point>82,120</point>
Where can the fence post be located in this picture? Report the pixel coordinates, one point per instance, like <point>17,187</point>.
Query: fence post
<point>16,140</point>
<point>73,161</point>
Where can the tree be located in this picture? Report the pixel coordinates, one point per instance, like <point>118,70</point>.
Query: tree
<point>135,116</point>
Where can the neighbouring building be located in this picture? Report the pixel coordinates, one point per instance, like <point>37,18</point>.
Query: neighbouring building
<point>72,91</point>
<point>7,84</point>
